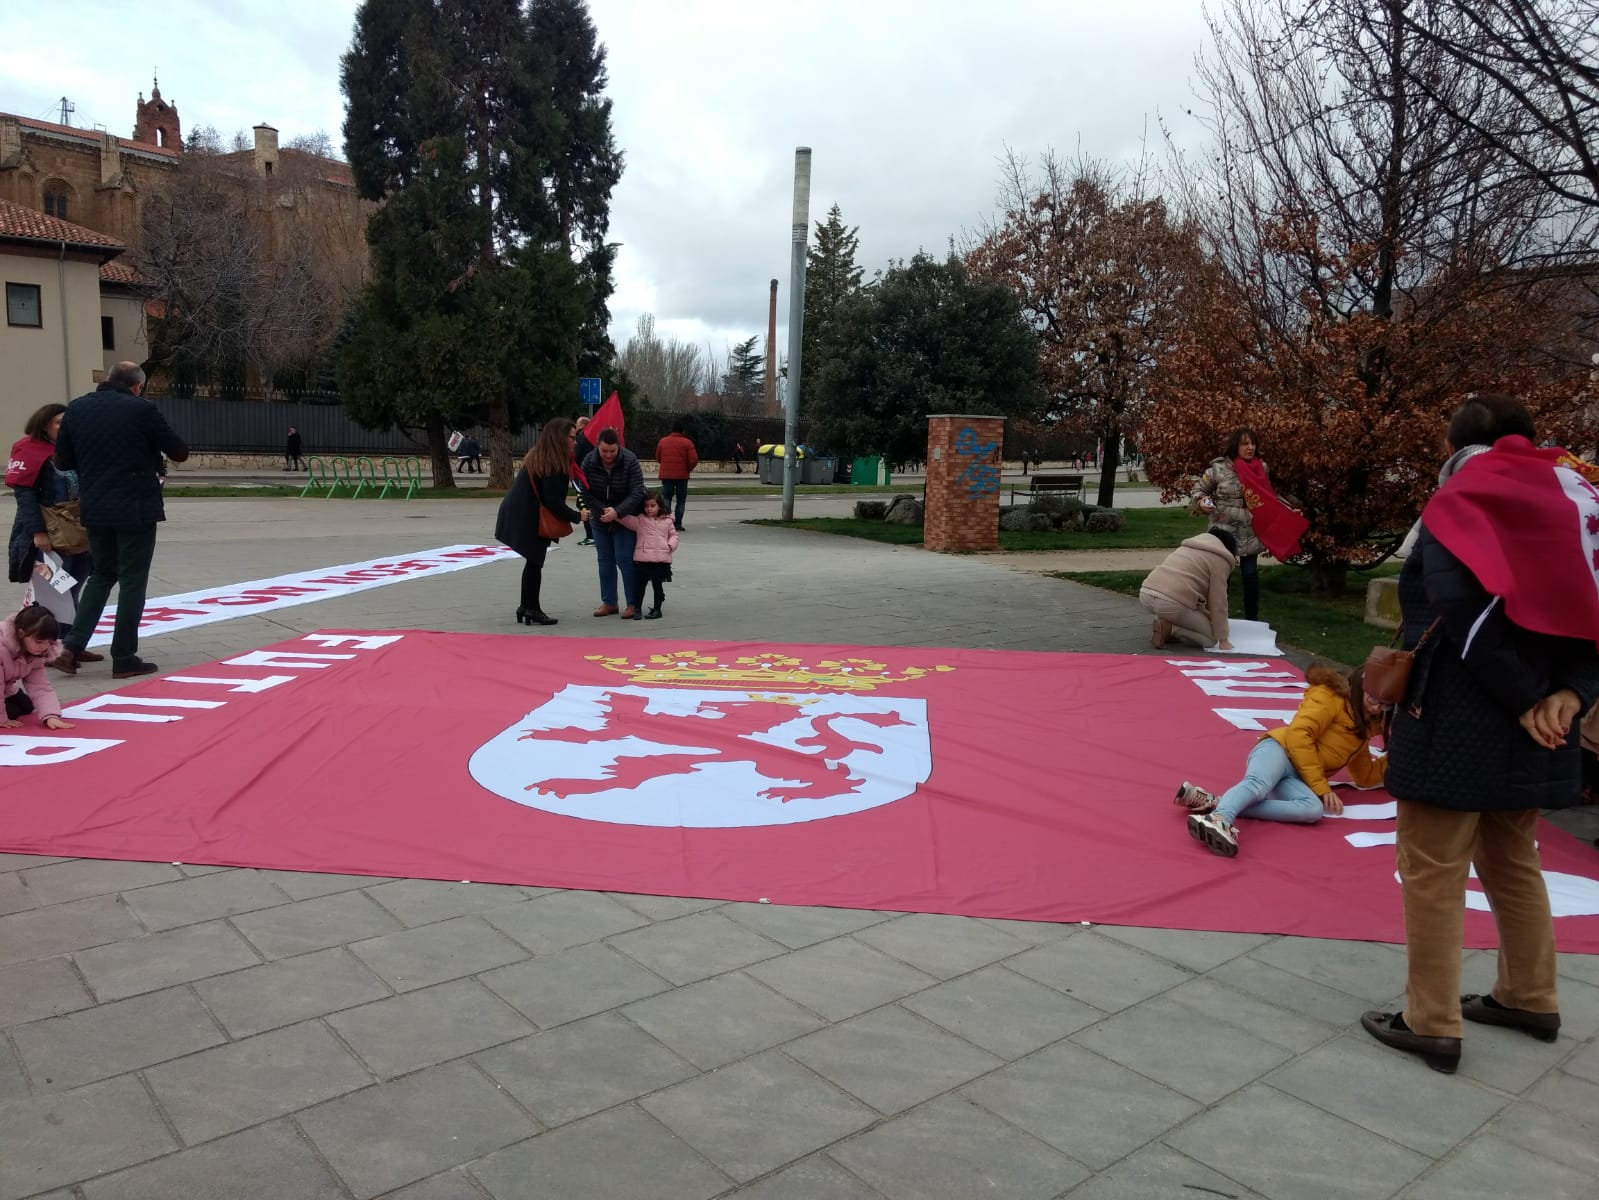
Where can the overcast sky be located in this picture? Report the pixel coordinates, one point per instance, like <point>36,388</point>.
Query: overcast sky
<point>907,108</point>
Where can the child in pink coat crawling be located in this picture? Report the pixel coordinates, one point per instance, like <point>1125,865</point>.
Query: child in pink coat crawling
<point>652,556</point>
<point>28,640</point>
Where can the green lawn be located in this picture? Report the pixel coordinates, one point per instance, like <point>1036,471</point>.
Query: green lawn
<point>1333,629</point>
<point>1147,528</point>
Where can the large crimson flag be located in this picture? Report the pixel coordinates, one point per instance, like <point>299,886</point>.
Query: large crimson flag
<point>607,416</point>
<point>1278,527</point>
<point>856,777</point>
<point>1525,521</point>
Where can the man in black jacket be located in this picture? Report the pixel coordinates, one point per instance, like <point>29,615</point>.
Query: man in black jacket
<point>615,489</point>
<point>114,439</point>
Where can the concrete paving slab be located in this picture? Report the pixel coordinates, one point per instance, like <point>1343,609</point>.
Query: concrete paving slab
<point>1005,1013</point>
<point>1159,1173</point>
<point>1288,1150</point>
<point>718,1021</point>
<point>1082,1103</point>
<point>163,959</point>
<point>571,984</point>
<point>757,1115</point>
<point>396,1133</point>
<point>415,958</point>
<point>1491,1169</point>
<point>60,1139</point>
<point>289,990</point>
<point>45,987</point>
<point>111,1039</point>
<point>266,1163</point>
<point>797,927</point>
<point>314,924</point>
<point>434,1025</point>
<point>244,1083</point>
<point>216,893</point>
<point>564,919</point>
<point>840,978</point>
<point>81,878</point>
<point>943,946</point>
<point>424,901</point>
<point>1099,971</point>
<point>950,1149</point>
<point>635,1156</point>
<point>580,1068</point>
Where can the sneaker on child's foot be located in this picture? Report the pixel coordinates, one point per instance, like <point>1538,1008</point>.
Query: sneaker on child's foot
<point>1215,831</point>
<point>1194,799</point>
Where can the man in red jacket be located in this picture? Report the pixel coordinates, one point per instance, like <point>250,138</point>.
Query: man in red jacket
<point>676,459</point>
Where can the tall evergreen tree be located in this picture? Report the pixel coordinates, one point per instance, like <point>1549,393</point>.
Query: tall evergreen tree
<point>831,277</point>
<point>482,128</point>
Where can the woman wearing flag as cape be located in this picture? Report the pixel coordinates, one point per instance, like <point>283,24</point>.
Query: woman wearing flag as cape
<point>1235,493</point>
<point>1505,576</point>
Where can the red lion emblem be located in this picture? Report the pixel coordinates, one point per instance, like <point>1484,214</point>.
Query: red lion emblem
<point>820,767</point>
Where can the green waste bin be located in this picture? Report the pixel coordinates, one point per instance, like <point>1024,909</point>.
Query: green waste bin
<point>866,471</point>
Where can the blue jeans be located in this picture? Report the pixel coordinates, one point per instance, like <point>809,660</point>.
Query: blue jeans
<point>613,548</point>
<point>677,488</point>
<point>1271,789</point>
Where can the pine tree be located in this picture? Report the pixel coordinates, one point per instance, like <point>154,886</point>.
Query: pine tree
<point>482,128</point>
<point>831,277</point>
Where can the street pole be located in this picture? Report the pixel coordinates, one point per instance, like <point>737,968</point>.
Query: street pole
<point>796,323</point>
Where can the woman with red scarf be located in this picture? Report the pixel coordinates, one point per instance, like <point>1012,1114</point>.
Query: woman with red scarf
<point>36,482</point>
<point>1235,493</point>
<point>1501,595</point>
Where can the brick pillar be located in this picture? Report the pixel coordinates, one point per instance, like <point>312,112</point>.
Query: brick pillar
<point>963,466</point>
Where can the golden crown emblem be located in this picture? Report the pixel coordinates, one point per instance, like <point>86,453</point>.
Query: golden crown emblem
<point>765,672</point>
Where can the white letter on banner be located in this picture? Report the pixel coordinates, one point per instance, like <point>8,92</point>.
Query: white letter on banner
<point>285,658</point>
<point>1251,718</point>
<point>1260,689</point>
<point>19,751</point>
<point>89,710</point>
<point>353,640</point>
<point>1237,670</point>
<point>234,685</point>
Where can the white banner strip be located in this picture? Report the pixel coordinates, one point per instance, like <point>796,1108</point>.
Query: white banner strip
<point>170,613</point>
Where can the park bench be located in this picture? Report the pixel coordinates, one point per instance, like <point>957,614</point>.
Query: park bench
<point>1052,485</point>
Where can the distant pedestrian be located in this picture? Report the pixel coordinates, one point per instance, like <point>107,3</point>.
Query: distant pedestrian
<point>675,460</point>
<point>738,458</point>
<point>115,439</point>
<point>471,455</point>
<point>652,556</point>
<point>291,450</point>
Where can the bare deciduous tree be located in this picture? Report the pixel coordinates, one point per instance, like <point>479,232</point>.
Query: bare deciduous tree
<point>663,369</point>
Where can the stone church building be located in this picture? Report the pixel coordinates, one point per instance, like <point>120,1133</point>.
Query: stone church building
<point>72,197</point>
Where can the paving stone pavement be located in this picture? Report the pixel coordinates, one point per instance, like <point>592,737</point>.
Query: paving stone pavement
<point>176,1032</point>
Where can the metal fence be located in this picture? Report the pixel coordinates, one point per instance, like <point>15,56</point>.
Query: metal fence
<point>252,424</point>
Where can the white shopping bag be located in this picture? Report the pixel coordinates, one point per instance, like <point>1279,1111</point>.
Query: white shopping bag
<point>51,587</point>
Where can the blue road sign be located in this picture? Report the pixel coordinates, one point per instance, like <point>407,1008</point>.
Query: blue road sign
<point>588,390</point>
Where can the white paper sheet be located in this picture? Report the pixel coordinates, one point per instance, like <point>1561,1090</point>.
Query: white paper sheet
<point>1250,637</point>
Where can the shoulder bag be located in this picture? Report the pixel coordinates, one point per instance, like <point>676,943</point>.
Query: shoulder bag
<point>1386,675</point>
<point>64,526</point>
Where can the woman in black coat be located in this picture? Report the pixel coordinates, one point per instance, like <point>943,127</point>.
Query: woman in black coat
<point>1487,735</point>
<point>542,483</point>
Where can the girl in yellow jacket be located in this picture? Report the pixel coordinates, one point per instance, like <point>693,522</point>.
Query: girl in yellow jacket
<point>1285,778</point>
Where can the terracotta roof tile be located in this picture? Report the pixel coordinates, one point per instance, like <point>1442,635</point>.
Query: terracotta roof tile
<point>30,225</point>
<point>122,273</point>
<point>90,135</point>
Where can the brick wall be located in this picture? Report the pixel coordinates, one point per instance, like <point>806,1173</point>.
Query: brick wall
<point>963,468</point>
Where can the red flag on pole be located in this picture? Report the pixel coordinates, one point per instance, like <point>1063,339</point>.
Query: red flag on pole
<point>607,416</point>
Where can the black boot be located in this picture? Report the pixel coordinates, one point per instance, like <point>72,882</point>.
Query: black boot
<point>534,616</point>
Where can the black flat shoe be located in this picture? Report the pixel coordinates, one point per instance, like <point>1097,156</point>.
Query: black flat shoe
<point>653,614</point>
<point>1439,1053</point>
<point>1485,1010</point>
<point>132,668</point>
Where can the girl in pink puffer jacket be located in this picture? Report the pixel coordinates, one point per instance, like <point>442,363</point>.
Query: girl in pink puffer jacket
<point>28,640</point>
<point>652,556</point>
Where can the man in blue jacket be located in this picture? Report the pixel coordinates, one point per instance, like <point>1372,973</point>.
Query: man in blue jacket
<point>114,439</point>
<point>615,489</point>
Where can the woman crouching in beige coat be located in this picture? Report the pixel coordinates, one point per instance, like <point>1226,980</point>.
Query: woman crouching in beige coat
<point>1188,591</point>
